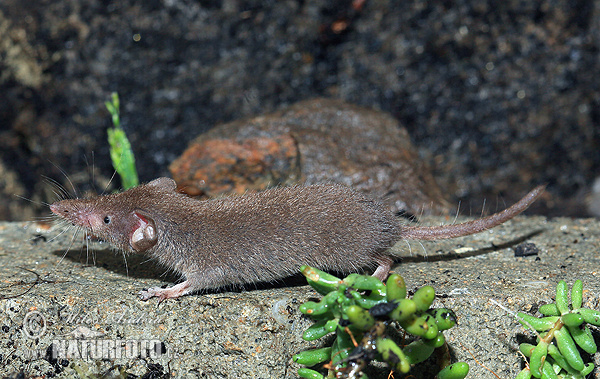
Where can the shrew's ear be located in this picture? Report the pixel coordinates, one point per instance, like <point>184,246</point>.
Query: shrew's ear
<point>145,235</point>
<point>166,184</point>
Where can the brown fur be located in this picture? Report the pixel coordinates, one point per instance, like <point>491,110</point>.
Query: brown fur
<point>261,236</point>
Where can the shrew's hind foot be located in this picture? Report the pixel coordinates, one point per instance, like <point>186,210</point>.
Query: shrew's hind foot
<point>382,271</point>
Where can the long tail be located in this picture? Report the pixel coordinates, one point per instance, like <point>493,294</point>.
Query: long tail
<point>472,227</point>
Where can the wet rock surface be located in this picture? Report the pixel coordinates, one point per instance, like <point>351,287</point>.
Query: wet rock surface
<point>314,141</point>
<point>497,97</point>
<point>51,297</point>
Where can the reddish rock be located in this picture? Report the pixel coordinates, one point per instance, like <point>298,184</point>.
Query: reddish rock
<point>313,141</point>
<point>225,165</point>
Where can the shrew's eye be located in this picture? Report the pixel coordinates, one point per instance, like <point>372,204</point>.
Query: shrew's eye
<point>107,220</point>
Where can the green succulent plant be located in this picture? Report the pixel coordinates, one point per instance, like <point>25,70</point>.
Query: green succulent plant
<point>563,332</point>
<point>357,310</point>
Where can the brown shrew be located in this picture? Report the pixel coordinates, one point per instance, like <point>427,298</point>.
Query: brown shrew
<point>259,236</point>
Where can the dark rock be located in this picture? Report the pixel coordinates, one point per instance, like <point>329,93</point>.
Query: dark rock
<point>314,141</point>
<point>526,249</point>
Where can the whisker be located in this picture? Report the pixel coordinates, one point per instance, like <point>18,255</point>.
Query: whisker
<point>36,219</point>
<point>109,182</point>
<point>69,226</point>
<point>93,167</point>
<point>57,195</point>
<point>77,229</point>
<point>93,253</point>
<point>126,266</point>
<point>58,190</point>
<point>87,249</point>
<point>31,201</point>
<point>90,171</point>
<point>456,214</point>
<point>146,261</point>
<point>424,250</point>
<point>409,247</point>
<point>483,208</point>
<point>66,177</point>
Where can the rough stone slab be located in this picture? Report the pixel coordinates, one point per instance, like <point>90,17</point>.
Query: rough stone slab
<point>331,142</point>
<point>252,334</point>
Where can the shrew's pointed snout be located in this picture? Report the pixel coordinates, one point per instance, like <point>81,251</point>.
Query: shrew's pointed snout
<point>61,208</point>
<point>71,211</point>
<point>55,208</point>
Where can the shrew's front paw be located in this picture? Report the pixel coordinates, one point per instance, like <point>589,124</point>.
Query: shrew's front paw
<point>152,292</point>
<point>165,293</point>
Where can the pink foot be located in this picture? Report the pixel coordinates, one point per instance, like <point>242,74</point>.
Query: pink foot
<point>165,293</point>
<point>382,271</point>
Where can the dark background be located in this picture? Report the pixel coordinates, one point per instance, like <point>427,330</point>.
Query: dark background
<point>498,96</point>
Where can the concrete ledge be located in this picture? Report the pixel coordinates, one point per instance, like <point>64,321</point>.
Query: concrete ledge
<point>250,334</point>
